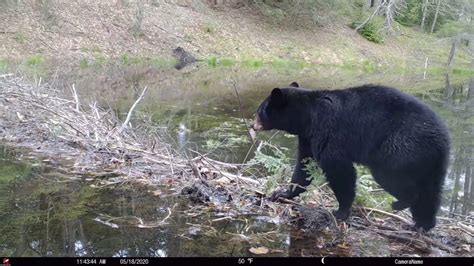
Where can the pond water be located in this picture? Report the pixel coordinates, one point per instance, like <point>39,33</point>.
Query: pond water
<point>199,107</point>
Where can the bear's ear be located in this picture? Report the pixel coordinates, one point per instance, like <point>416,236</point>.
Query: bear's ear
<point>294,84</point>
<point>277,98</point>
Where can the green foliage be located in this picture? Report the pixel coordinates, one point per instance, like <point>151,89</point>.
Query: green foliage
<point>252,63</point>
<point>212,62</point>
<point>369,66</point>
<point>83,63</point>
<point>368,192</point>
<point>127,60</point>
<point>465,72</point>
<point>370,30</point>
<point>410,15</point>
<point>453,28</point>
<point>314,172</point>
<point>99,59</point>
<point>270,11</point>
<point>215,62</point>
<point>286,64</point>
<point>35,60</point>
<point>160,61</point>
<point>276,163</point>
<point>226,62</point>
<point>226,135</point>
<point>4,64</point>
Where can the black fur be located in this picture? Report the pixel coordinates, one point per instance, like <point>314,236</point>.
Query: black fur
<point>400,139</point>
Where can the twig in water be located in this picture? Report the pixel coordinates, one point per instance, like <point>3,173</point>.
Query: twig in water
<point>243,119</point>
<point>129,114</point>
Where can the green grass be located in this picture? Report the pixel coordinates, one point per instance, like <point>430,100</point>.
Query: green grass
<point>127,59</point>
<point>226,62</point>
<point>281,63</point>
<point>464,72</point>
<point>34,60</point>
<point>99,59</point>
<point>83,63</point>
<point>163,61</point>
<point>252,63</point>
<point>212,62</point>
<point>276,63</point>
<point>369,66</point>
<point>4,65</point>
<point>220,62</point>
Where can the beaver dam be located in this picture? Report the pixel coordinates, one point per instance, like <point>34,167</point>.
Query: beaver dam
<point>117,186</point>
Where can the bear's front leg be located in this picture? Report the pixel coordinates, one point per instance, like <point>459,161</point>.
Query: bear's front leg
<point>341,176</point>
<point>300,178</point>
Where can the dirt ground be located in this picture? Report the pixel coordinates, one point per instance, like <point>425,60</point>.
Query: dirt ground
<point>70,31</point>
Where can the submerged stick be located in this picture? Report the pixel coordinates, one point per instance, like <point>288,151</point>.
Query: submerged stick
<point>129,114</point>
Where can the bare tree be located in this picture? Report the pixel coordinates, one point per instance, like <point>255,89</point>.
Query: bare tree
<point>424,8</point>
<point>369,18</point>
<point>452,52</point>
<point>470,93</point>
<point>435,17</point>
<point>390,11</point>
<point>387,8</point>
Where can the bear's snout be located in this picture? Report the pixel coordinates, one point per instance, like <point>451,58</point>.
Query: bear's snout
<point>257,124</point>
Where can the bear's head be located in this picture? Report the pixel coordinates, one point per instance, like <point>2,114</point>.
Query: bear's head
<point>278,110</point>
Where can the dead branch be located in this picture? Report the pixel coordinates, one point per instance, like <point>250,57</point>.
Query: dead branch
<point>76,98</point>
<point>387,214</point>
<point>129,114</point>
<point>369,18</point>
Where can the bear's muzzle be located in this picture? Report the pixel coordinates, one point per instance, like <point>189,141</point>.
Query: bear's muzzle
<point>257,124</point>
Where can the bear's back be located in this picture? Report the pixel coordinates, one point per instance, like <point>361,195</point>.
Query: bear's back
<point>376,113</point>
<point>390,103</point>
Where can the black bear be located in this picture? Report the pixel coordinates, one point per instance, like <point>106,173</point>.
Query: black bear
<point>400,139</point>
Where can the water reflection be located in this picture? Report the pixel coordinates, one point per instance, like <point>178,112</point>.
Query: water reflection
<point>459,112</point>
<point>42,217</point>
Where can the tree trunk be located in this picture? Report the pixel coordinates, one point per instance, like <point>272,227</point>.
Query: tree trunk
<point>451,53</point>
<point>472,189</point>
<point>467,186</point>
<point>456,170</point>
<point>435,17</point>
<point>448,89</point>
<point>470,92</point>
<point>424,8</point>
